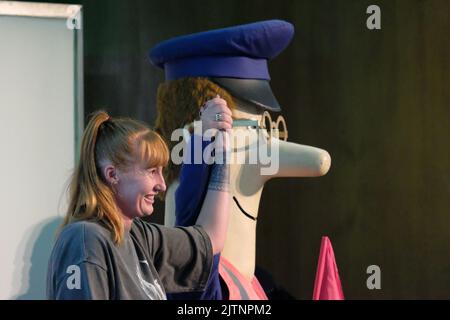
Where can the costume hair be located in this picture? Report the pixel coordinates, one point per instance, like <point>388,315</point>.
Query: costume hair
<point>178,104</point>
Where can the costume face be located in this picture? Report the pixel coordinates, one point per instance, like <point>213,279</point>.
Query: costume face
<point>136,190</point>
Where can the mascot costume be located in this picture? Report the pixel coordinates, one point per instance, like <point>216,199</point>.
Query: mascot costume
<point>232,63</point>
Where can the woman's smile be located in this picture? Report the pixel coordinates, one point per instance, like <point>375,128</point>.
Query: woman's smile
<point>149,198</point>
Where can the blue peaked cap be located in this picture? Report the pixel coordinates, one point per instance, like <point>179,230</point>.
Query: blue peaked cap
<point>234,52</point>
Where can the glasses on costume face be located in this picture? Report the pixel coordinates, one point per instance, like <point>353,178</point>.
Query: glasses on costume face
<point>266,123</point>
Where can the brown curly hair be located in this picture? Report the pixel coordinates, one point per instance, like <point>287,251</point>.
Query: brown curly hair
<point>178,104</point>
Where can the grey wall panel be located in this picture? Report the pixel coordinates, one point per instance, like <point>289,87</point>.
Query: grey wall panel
<point>38,128</point>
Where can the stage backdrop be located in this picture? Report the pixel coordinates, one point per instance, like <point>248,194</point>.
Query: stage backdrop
<point>377,100</point>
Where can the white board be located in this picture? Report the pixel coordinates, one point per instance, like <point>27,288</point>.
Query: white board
<point>41,116</point>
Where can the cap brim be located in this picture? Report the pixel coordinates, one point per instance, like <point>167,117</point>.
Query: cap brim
<point>255,91</point>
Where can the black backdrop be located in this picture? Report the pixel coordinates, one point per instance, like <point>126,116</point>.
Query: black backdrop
<point>378,101</point>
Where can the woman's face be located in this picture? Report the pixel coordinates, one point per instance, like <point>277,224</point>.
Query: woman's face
<point>136,190</point>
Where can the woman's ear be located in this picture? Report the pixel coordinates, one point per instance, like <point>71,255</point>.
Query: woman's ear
<point>110,174</point>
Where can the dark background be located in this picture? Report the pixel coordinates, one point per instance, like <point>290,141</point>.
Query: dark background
<point>378,101</point>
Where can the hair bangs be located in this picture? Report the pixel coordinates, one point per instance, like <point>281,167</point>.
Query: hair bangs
<point>151,150</point>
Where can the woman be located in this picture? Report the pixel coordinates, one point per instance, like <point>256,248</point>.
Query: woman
<point>105,251</point>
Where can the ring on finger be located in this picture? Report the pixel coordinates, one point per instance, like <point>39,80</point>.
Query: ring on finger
<point>218,117</point>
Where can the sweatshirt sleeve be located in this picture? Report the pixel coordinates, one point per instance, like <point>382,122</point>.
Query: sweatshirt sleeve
<point>182,256</point>
<point>83,281</point>
<point>76,269</point>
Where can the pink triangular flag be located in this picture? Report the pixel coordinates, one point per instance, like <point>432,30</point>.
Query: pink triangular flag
<point>327,285</point>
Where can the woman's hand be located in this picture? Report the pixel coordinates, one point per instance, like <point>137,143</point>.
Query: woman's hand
<point>216,123</point>
<point>215,114</point>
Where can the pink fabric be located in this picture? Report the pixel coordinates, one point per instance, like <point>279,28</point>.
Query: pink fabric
<point>327,285</point>
<point>252,288</point>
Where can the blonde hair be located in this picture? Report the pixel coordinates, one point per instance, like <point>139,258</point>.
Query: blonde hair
<point>123,142</point>
<point>178,104</point>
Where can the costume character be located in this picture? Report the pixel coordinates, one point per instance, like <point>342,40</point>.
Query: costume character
<point>233,63</point>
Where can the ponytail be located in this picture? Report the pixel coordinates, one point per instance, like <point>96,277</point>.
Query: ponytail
<point>90,198</point>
